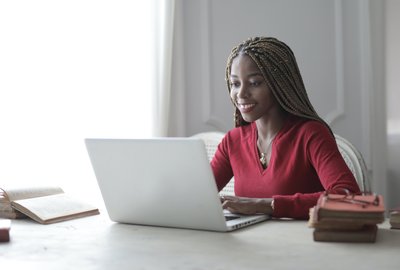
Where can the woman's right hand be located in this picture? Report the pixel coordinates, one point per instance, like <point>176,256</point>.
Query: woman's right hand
<point>247,206</point>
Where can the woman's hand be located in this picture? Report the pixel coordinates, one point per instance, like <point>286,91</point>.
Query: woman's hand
<point>247,206</point>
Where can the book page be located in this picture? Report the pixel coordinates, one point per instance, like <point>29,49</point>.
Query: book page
<point>5,206</point>
<point>3,198</point>
<point>18,193</point>
<point>54,208</point>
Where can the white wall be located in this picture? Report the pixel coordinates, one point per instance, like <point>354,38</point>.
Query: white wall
<point>338,48</point>
<point>393,97</point>
<point>71,70</point>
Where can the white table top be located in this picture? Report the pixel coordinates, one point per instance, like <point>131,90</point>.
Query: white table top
<point>97,243</point>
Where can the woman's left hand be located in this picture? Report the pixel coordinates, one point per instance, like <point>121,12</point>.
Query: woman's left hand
<point>247,206</point>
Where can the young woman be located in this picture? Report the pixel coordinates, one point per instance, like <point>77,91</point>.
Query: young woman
<point>281,153</point>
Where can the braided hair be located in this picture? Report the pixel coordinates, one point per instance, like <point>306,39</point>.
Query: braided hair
<point>278,66</point>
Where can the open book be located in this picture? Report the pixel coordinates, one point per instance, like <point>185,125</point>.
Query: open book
<point>43,204</point>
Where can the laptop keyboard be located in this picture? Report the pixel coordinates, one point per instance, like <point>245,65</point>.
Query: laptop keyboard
<point>227,218</point>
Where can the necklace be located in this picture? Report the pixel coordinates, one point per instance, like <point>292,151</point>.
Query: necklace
<point>264,155</point>
<point>263,159</point>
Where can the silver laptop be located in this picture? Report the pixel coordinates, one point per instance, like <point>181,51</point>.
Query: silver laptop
<point>161,182</point>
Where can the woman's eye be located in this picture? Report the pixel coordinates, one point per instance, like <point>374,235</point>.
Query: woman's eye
<point>235,84</point>
<point>256,83</point>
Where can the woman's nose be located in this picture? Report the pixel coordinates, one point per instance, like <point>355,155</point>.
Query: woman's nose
<point>242,92</point>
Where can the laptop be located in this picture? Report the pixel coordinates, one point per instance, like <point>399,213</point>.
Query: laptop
<point>164,182</point>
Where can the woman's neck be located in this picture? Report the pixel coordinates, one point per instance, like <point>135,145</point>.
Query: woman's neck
<point>270,125</point>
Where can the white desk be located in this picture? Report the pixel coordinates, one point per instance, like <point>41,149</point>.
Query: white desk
<point>97,243</point>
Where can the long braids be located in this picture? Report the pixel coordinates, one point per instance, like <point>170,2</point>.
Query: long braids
<point>278,66</point>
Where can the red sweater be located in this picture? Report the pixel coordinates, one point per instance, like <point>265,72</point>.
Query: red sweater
<point>304,162</point>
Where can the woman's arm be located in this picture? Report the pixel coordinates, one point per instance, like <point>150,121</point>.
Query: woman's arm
<point>221,166</point>
<point>333,173</point>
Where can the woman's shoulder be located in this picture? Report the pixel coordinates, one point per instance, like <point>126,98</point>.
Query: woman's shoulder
<point>242,132</point>
<point>301,126</point>
<point>239,137</point>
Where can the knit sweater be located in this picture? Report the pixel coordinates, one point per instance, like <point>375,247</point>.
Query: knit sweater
<point>305,161</point>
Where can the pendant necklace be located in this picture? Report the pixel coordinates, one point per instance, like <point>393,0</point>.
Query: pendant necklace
<point>264,155</point>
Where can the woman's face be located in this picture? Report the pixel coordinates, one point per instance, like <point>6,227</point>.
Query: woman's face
<point>249,91</point>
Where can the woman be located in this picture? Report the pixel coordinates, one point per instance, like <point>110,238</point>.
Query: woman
<point>281,153</point>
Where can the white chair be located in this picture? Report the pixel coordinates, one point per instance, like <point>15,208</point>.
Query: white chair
<point>211,141</point>
<point>350,154</point>
<point>355,162</point>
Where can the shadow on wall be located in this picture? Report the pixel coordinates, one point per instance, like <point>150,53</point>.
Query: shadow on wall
<point>393,175</point>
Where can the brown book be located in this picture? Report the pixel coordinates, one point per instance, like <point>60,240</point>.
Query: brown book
<point>366,209</point>
<point>5,225</point>
<point>394,218</point>
<point>367,235</point>
<point>43,204</point>
<point>334,223</point>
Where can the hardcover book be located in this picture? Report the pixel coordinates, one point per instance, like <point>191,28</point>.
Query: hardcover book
<point>394,218</point>
<point>5,225</point>
<point>368,209</point>
<point>333,223</point>
<point>367,234</point>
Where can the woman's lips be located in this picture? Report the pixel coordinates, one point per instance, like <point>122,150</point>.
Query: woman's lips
<point>246,108</point>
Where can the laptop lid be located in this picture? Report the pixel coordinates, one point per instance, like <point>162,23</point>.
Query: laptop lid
<point>159,182</point>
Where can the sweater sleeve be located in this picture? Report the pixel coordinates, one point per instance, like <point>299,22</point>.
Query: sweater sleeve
<point>335,176</point>
<point>221,166</point>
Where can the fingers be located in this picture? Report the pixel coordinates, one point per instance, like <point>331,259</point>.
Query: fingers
<point>235,205</point>
<point>231,206</point>
<point>228,198</point>
<point>239,205</point>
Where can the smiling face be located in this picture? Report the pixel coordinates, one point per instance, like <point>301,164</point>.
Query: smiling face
<point>249,90</point>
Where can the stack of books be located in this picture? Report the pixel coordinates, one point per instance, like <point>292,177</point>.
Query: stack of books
<point>347,218</point>
<point>394,218</point>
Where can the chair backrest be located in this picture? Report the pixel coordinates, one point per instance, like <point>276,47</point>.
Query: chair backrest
<point>355,162</point>
<point>350,154</point>
<point>211,141</point>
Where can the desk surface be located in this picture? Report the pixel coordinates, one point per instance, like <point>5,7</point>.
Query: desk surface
<point>97,243</point>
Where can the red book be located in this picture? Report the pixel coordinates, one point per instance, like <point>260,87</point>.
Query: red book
<point>5,225</point>
<point>367,209</point>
